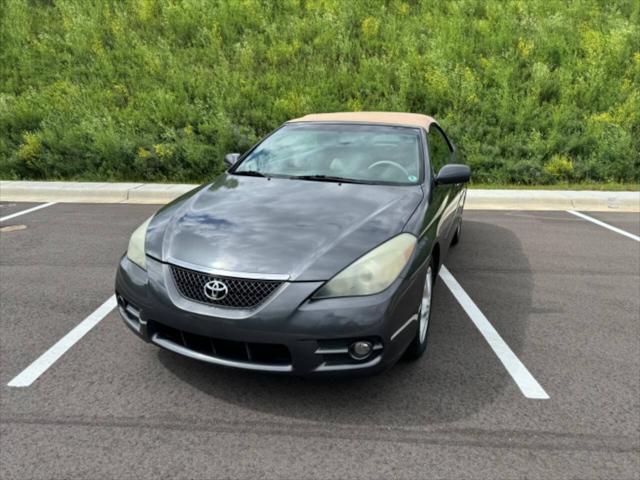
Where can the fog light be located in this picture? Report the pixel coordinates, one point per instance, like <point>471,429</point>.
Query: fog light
<point>360,350</point>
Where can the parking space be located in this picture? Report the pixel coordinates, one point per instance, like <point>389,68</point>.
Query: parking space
<point>561,292</point>
<point>564,295</point>
<point>57,271</point>
<point>7,209</point>
<point>627,221</point>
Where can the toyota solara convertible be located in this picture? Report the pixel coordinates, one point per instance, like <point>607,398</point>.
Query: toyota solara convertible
<point>314,253</point>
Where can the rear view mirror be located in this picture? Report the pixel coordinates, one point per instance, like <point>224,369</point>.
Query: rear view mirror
<point>453,173</point>
<point>231,158</point>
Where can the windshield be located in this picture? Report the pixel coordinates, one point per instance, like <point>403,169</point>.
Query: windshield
<point>334,152</point>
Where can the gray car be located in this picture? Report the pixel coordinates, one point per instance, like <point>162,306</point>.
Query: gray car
<point>315,253</point>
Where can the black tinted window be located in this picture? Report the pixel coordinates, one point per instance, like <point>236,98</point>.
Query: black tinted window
<point>439,152</point>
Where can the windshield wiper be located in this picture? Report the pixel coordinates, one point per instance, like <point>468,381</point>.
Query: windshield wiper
<point>249,173</point>
<point>327,178</point>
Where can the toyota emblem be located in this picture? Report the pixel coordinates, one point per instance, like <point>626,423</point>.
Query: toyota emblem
<point>215,290</point>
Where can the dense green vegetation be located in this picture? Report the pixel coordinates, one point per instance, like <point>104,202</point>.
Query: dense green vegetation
<point>532,91</point>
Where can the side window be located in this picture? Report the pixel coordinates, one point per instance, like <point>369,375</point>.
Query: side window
<point>439,152</point>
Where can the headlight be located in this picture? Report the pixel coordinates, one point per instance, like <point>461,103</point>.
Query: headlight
<point>136,252</point>
<point>373,272</point>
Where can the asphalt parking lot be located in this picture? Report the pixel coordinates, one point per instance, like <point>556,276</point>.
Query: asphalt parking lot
<point>562,292</point>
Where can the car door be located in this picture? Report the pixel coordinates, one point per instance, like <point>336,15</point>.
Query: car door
<point>457,191</point>
<point>442,205</point>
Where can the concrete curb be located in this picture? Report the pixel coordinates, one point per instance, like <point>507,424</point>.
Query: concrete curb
<point>91,192</point>
<point>159,193</point>
<point>586,200</point>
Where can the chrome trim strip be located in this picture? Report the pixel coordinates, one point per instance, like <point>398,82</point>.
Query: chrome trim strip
<point>331,351</point>
<point>227,273</point>
<point>132,311</point>
<point>131,323</point>
<point>353,366</point>
<point>406,324</point>
<point>338,351</point>
<point>174,347</point>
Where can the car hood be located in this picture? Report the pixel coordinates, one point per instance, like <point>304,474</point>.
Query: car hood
<point>306,230</point>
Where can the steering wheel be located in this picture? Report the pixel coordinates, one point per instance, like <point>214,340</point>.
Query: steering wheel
<point>391,164</point>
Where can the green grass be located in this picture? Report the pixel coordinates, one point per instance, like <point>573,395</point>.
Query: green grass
<point>531,91</point>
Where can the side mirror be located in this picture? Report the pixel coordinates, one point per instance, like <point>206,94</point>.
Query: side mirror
<point>231,158</point>
<point>453,173</point>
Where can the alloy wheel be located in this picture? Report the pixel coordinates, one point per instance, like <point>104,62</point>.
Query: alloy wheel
<point>425,304</point>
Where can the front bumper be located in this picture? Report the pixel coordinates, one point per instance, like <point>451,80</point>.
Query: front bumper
<point>288,333</point>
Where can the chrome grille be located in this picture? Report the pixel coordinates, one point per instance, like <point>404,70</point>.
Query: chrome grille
<point>242,292</point>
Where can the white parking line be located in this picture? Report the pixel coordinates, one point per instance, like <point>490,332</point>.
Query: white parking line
<point>48,358</point>
<point>605,225</point>
<point>28,210</point>
<point>528,385</point>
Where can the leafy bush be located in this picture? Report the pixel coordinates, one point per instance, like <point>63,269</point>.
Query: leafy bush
<point>532,91</point>
<point>559,168</point>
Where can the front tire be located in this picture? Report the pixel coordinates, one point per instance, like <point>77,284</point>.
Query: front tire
<point>418,345</point>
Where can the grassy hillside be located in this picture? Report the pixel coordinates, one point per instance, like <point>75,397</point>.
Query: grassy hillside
<point>532,91</point>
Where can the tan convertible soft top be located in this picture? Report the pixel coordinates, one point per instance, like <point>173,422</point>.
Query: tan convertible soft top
<point>386,118</point>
